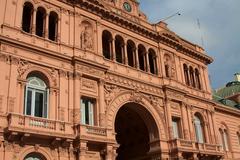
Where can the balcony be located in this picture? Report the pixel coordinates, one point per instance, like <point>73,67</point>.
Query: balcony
<point>91,132</point>
<point>188,146</point>
<point>39,126</point>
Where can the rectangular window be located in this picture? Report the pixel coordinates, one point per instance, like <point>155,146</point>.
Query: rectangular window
<point>176,127</point>
<point>87,111</point>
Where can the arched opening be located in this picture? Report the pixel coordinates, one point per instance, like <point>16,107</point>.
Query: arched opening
<point>52,26</point>
<point>131,47</point>
<point>142,57</point>
<point>119,48</point>
<point>199,129</point>
<point>106,44</point>
<point>27,17</point>
<point>192,79</point>
<point>35,156</point>
<point>186,75</point>
<point>36,96</point>
<point>198,83</point>
<point>40,21</point>
<point>135,130</point>
<point>152,61</point>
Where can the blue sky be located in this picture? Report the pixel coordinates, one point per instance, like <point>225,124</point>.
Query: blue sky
<point>219,29</point>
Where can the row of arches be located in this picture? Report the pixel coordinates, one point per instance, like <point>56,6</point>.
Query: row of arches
<point>137,56</point>
<point>39,22</point>
<point>192,76</point>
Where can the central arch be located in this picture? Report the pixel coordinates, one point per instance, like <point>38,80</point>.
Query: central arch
<point>135,129</point>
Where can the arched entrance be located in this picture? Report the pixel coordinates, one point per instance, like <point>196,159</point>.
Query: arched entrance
<point>135,131</point>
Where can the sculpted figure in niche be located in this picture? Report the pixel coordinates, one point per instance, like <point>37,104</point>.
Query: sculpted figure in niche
<point>170,70</point>
<point>87,36</point>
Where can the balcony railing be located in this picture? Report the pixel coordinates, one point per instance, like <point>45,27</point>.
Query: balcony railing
<point>36,125</point>
<point>86,130</point>
<point>182,144</point>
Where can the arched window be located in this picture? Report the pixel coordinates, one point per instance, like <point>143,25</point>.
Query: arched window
<point>238,135</point>
<point>27,17</point>
<point>186,75</point>
<point>36,97</point>
<point>224,139</point>
<point>131,48</point>
<point>152,61</point>
<point>35,156</point>
<point>142,57</point>
<point>192,79</point>
<point>53,26</point>
<point>40,22</point>
<point>107,44</point>
<point>199,130</point>
<point>119,48</point>
<point>198,83</point>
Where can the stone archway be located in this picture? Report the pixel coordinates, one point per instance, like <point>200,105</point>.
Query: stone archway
<point>135,129</point>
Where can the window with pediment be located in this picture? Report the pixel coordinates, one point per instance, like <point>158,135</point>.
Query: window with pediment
<point>36,97</point>
<point>199,128</point>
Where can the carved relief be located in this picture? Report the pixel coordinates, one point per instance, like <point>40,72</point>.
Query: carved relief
<point>111,91</point>
<point>90,70</point>
<point>134,84</point>
<point>137,97</point>
<point>87,36</point>
<point>89,85</point>
<point>169,64</point>
<point>23,66</point>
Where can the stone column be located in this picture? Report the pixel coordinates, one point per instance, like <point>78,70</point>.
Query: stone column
<point>206,131</point>
<point>83,148</point>
<point>184,121</point>
<point>101,103</point>
<point>215,130</point>
<point>190,122</point>
<point>46,26</point>
<point>147,63</point>
<point>125,54</point>
<point>113,50</point>
<point>21,98</point>
<point>77,97</point>
<point>169,118</point>
<point>34,21</point>
<point>110,152</point>
<point>137,59</point>
<point>71,152</point>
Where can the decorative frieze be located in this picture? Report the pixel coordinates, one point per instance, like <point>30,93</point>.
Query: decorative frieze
<point>134,84</point>
<point>89,85</point>
<point>111,92</point>
<point>90,70</point>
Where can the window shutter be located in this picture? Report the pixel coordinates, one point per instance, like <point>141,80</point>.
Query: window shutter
<point>91,120</point>
<point>83,112</point>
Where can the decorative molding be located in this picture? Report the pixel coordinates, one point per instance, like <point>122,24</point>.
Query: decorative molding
<point>111,92</point>
<point>89,85</point>
<point>90,70</point>
<point>116,79</point>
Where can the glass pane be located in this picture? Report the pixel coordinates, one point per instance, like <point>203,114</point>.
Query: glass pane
<point>86,112</point>
<point>175,129</point>
<point>29,102</point>
<point>38,104</point>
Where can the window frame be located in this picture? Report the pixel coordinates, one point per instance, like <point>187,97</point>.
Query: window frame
<point>91,104</point>
<point>36,89</point>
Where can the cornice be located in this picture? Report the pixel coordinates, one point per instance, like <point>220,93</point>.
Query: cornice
<point>167,38</point>
<point>226,109</point>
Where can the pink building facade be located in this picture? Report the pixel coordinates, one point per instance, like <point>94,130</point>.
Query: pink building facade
<point>94,80</point>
